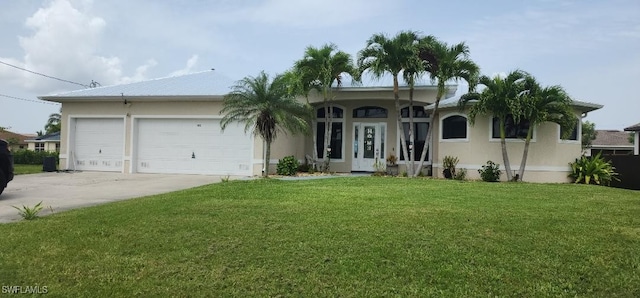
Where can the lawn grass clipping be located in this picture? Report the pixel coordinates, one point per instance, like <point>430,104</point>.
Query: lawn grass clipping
<point>367,236</point>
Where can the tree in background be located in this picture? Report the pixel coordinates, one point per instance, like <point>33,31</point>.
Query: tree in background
<point>589,134</point>
<point>54,123</point>
<point>267,107</point>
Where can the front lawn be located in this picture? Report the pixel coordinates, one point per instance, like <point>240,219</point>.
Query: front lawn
<point>20,169</point>
<point>366,236</point>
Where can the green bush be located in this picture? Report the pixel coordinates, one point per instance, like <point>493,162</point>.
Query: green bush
<point>287,166</point>
<point>449,164</point>
<point>490,172</point>
<point>592,170</point>
<point>29,157</point>
<point>461,174</point>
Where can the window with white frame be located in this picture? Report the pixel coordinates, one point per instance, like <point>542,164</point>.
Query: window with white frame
<point>39,147</point>
<point>574,133</point>
<point>454,127</point>
<point>421,124</point>
<point>513,129</point>
<point>337,132</point>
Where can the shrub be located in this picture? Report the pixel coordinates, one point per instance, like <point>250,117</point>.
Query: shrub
<point>490,172</point>
<point>461,174</point>
<point>287,166</point>
<point>28,157</point>
<point>592,170</point>
<point>449,164</point>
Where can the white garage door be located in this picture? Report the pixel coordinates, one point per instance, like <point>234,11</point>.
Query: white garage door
<point>99,144</point>
<point>192,146</point>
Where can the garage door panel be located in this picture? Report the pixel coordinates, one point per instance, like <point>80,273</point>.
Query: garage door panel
<point>99,144</point>
<point>192,146</point>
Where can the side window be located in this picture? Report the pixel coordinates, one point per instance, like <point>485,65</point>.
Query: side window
<point>454,127</point>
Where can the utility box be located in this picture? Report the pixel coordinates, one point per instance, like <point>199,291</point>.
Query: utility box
<point>49,164</point>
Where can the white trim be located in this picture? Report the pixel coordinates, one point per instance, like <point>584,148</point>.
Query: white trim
<point>134,136</point>
<point>513,167</point>
<point>429,158</point>
<point>340,120</point>
<point>636,145</point>
<point>441,126</point>
<point>71,131</point>
<point>578,134</point>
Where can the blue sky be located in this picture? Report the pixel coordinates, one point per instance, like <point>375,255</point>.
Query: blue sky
<point>591,48</point>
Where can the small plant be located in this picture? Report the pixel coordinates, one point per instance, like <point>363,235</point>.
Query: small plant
<point>461,174</point>
<point>490,172</point>
<point>379,167</point>
<point>404,174</point>
<point>392,160</point>
<point>288,166</point>
<point>29,213</point>
<point>593,170</point>
<point>225,179</point>
<point>449,164</point>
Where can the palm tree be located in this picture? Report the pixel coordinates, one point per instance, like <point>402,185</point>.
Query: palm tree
<point>538,105</point>
<point>445,63</point>
<point>54,123</point>
<point>382,55</point>
<point>320,69</point>
<point>267,107</point>
<point>497,99</point>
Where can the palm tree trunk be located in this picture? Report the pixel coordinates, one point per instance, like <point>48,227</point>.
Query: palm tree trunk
<point>327,136</point>
<point>523,163</point>
<point>403,141</point>
<point>505,155</point>
<point>412,149</point>
<point>427,140</point>
<point>267,158</point>
<point>314,125</point>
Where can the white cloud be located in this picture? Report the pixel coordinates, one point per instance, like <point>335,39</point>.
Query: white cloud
<point>188,68</point>
<point>65,43</point>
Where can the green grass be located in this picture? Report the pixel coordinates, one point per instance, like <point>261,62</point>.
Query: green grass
<point>19,169</point>
<point>358,237</point>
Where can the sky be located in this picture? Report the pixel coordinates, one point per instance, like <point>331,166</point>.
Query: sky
<point>590,48</point>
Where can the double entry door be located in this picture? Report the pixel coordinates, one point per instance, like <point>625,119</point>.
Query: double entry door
<point>369,140</point>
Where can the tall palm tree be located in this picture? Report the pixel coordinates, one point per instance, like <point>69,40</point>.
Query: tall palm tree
<point>320,69</point>
<point>267,107</point>
<point>383,55</point>
<point>445,63</point>
<point>54,123</point>
<point>498,98</point>
<point>538,105</point>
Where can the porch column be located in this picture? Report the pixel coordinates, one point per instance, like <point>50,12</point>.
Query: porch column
<point>636,145</point>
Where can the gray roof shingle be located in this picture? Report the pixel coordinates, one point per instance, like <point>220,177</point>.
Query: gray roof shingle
<point>612,138</point>
<point>635,127</point>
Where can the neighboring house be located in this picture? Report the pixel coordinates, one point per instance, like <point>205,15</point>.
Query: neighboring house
<point>611,142</point>
<point>636,130</point>
<point>172,125</point>
<point>48,143</point>
<point>16,141</point>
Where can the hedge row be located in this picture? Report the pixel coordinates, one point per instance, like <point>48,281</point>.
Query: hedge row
<point>28,157</point>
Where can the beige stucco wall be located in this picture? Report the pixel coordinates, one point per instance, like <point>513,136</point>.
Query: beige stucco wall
<point>285,145</point>
<point>547,161</point>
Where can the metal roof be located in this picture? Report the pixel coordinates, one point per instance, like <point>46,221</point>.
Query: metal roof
<point>452,102</point>
<point>206,83</point>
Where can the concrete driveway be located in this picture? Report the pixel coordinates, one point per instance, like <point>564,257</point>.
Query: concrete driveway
<point>63,191</point>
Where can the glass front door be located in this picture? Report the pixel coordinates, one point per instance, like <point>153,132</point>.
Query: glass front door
<point>369,146</point>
